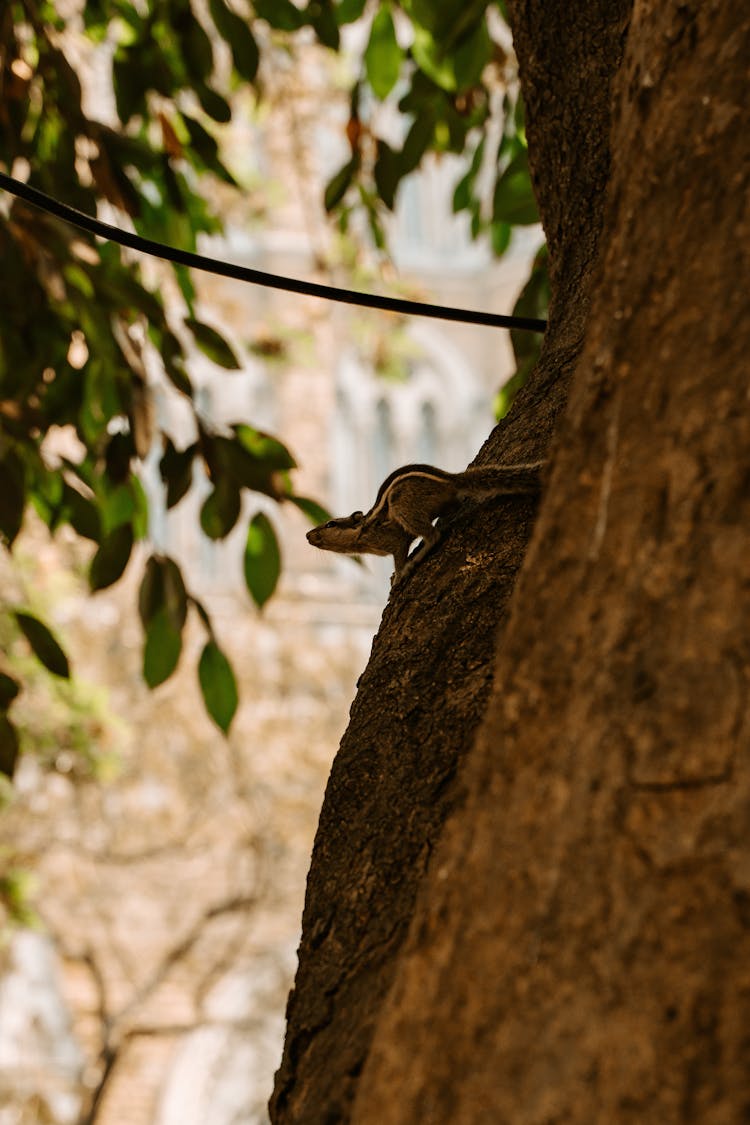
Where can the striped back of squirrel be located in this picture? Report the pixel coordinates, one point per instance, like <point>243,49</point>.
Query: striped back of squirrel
<point>478,481</point>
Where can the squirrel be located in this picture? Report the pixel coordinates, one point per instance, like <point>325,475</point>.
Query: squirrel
<point>407,503</point>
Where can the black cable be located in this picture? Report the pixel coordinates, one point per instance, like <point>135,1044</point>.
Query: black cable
<point>259,277</point>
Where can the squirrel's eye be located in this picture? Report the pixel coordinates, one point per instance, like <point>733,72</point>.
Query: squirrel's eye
<point>331,523</point>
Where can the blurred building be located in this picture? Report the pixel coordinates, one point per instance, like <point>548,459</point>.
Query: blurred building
<point>171,897</point>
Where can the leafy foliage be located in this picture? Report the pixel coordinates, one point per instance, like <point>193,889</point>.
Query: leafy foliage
<point>79,318</point>
<point>444,67</point>
<point>447,85</point>
<point>65,720</point>
<point>80,324</point>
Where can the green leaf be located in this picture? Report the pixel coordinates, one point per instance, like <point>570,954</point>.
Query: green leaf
<point>95,18</point>
<point>214,105</point>
<point>532,302</point>
<point>201,141</point>
<point>176,469</point>
<point>220,510</point>
<point>151,590</point>
<point>205,148</point>
<point>173,359</point>
<point>314,511</point>
<point>218,685</point>
<point>162,588</point>
<point>240,38</point>
<point>470,56</point>
<point>417,141</point>
<point>377,232</point>
<point>435,17</point>
<point>110,560</point>
<point>196,49</point>
<point>185,282</point>
<point>349,11</point>
<point>178,376</point>
<point>8,746</point>
<point>449,21</point>
<point>336,187</point>
<point>228,458</point>
<point>507,393</point>
<point>81,513</point>
<point>250,459</point>
<point>212,344</point>
<point>119,453</point>
<point>117,506</point>
<point>281,14</point>
<point>262,560</point>
<point>9,689</point>
<point>12,496</point>
<point>43,643</point>
<point>162,649</point>
<point>175,594</point>
<point>46,494</point>
<point>264,447</point>
<point>383,56</point>
<point>500,234</point>
<point>129,86</point>
<point>102,386</point>
<point>462,194</point>
<point>519,118</point>
<point>453,55</point>
<point>432,60</point>
<point>245,54</point>
<point>514,200</point>
<point>76,276</point>
<point>202,612</point>
<point>140,508</point>
<point>321,15</point>
<point>387,173</point>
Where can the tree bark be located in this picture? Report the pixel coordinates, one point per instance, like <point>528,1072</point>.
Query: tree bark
<point>580,948</point>
<point>572,945</point>
<point>426,687</point>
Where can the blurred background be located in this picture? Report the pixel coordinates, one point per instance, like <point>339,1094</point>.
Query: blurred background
<point>153,870</point>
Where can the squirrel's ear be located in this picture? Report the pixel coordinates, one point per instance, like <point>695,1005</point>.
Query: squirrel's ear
<point>357,515</point>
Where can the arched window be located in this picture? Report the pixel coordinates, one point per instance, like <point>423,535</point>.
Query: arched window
<point>428,449</point>
<point>383,442</point>
<point>439,415</point>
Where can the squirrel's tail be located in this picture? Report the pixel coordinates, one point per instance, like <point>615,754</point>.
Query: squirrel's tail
<point>503,480</point>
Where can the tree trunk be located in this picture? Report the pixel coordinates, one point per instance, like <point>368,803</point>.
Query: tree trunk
<point>529,899</point>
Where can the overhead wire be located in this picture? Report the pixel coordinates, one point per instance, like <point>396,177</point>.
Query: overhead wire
<point>223,268</point>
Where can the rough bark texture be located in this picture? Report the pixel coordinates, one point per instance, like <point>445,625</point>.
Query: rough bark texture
<point>425,690</point>
<point>580,948</point>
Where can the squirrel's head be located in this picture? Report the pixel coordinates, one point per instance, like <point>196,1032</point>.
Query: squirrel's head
<point>337,535</point>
